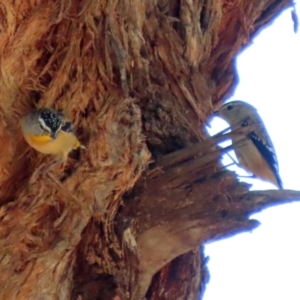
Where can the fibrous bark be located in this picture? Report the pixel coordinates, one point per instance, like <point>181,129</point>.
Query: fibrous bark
<point>139,80</point>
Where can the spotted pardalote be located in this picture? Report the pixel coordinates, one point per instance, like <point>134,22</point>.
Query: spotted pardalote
<point>255,151</point>
<point>48,131</point>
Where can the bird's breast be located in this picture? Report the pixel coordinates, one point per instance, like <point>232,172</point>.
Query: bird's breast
<point>252,160</point>
<point>63,143</point>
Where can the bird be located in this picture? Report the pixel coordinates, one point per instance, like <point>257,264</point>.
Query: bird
<point>49,131</point>
<point>255,151</point>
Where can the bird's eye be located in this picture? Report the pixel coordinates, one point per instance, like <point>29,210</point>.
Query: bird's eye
<point>245,123</point>
<point>229,107</point>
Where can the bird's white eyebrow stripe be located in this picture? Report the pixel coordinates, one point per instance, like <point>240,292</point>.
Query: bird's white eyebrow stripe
<point>43,124</point>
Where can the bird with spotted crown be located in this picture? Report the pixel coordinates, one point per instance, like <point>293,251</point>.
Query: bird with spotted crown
<point>50,132</point>
<point>255,151</point>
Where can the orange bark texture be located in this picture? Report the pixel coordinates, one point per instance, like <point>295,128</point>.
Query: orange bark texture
<point>138,79</point>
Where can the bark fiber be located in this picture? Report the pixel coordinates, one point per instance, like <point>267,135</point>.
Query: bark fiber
<point>139,79</point>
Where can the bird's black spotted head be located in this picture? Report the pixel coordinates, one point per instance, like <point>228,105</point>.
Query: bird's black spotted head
<point>50,120</point>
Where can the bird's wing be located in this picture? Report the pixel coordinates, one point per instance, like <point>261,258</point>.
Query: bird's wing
<point>264,145</point>
<point>67,127</point>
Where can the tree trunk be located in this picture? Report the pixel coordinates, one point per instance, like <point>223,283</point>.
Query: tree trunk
<point>124,219</point>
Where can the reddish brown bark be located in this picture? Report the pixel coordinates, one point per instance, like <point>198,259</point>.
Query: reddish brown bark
<point>139,80</point>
